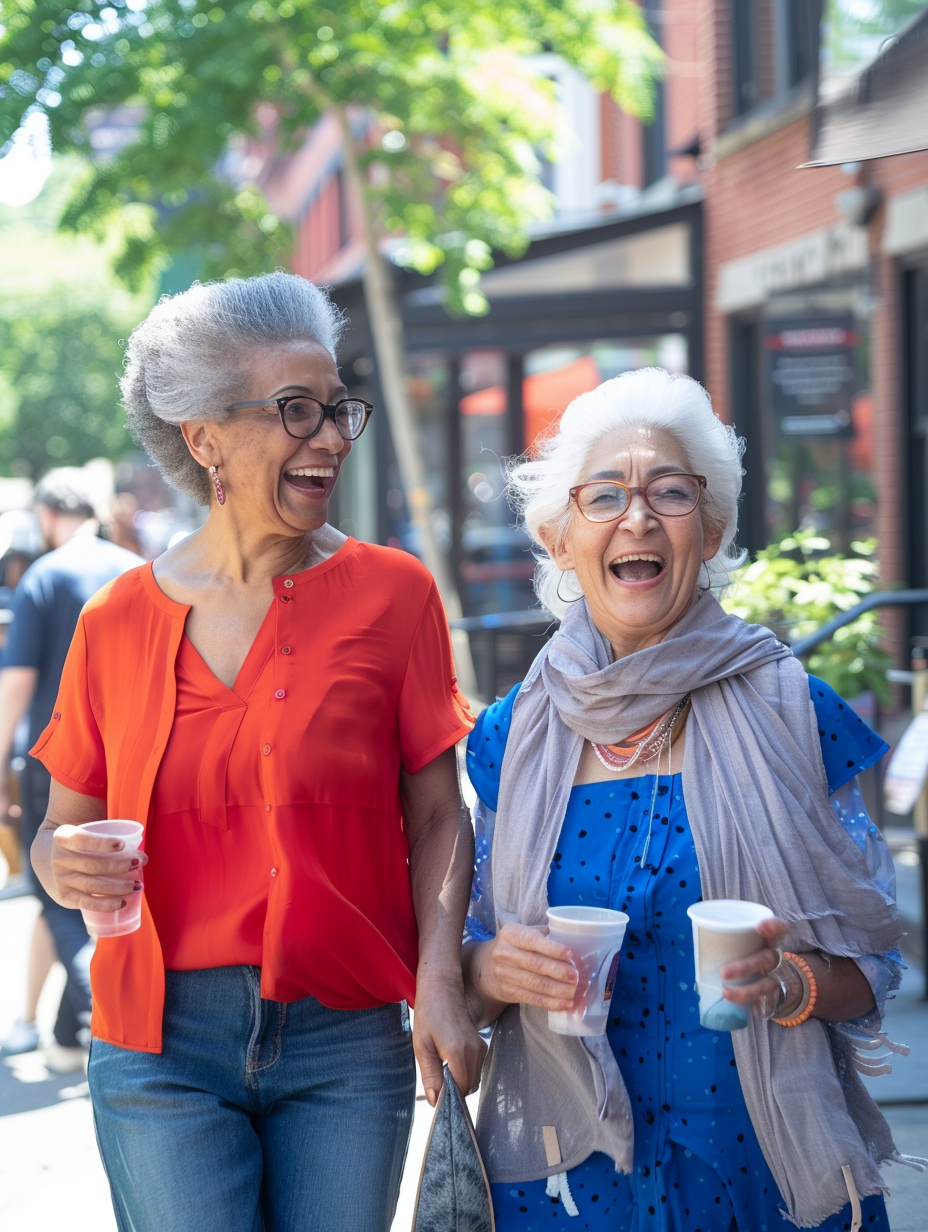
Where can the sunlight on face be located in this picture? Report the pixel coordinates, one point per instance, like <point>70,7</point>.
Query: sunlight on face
<point>639,573</point>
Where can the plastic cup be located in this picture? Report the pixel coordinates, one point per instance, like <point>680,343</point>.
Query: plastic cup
<point>594,937</point>
<point>125,919</point>
<point>724,929</point>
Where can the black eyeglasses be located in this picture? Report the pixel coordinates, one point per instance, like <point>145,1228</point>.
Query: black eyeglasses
<point>303,416</point>
<point>669,496</point>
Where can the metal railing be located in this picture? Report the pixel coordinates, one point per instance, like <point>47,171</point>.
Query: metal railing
<point>803,646</point>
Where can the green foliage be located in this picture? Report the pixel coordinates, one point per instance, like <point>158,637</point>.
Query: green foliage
<point>796,586</point>
<point>854,32</point>
<point>448,116</point>
<point>61,371</point>
<point>61,319</point>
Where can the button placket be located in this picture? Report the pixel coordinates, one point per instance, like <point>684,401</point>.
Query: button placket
<point>270,732</point>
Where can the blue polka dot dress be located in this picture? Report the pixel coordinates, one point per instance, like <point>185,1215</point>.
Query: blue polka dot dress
<point>697,1163</point>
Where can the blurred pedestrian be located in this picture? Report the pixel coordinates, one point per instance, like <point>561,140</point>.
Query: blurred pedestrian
<point>121,525</point>
<point>276,703</point>
<point>20,544</point>
<point>45,606</point>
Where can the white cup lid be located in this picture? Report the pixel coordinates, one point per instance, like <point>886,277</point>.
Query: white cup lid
<point>586,919</point>
<point>728,915</point>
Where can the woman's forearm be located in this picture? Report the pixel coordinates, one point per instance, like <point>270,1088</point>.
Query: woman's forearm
<point>843,991</point>
<point>482,1007</point>
<point>440,870</point>
<point>65,807</point>
<point>41,855</point>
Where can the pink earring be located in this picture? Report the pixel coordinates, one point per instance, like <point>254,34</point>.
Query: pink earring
<point>217,484</point>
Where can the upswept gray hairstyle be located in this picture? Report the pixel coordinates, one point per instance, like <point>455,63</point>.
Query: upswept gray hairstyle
<point>647,397</point>
<point>189,359</point>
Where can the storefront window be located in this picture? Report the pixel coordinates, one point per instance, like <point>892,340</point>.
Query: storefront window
<point>496,564</point>
<point>554,375</point>
<point>427,374</point>
<point>817,416</point>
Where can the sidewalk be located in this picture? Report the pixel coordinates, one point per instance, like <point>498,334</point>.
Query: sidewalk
<point>51,1177</point>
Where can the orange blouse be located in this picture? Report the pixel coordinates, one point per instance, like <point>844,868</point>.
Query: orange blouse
<point>273,818</point>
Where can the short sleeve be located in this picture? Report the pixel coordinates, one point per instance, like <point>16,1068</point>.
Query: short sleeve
<point>26,638</point>
<point>71,747</point>
<point>486,746</point>
<point>432,713</point>
<point>849,746</point>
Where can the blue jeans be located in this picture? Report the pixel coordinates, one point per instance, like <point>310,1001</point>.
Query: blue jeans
<point>288,1117</point>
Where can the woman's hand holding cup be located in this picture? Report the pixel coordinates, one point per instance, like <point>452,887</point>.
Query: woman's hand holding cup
<point>97,872</point>
<point>749,981</point>
<point>523,965</point>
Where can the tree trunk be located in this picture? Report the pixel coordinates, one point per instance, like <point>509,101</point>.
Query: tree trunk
<point>387,332</point>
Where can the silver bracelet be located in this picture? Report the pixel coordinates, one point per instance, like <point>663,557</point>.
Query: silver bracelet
<point>779,973</point>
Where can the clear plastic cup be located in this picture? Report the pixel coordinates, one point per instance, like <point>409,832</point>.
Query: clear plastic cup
<point>594,936</point>
<point>723,929</point>
<point>125,919</point>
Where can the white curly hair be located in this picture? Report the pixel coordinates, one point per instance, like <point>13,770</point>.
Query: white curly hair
<point>647,397</point>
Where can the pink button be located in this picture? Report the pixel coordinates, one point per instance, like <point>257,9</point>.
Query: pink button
<point>273,872</point>
<point>281,693</point>
<point>266,750</point>
<point>285,650</point>
<point>288,582</point>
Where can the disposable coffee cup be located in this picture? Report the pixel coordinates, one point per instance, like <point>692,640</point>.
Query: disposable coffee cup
<point>594,937</point>
<point>724,929</point>
<point>125,919</point>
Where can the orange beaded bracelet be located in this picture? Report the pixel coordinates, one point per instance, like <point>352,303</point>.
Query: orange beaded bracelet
<point>810,992</point>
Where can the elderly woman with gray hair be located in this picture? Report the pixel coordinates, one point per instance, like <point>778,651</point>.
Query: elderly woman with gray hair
<point>276,703</point>
<point>661,751</point>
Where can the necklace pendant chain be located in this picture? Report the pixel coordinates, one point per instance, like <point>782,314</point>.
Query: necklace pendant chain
<point>646,749</point>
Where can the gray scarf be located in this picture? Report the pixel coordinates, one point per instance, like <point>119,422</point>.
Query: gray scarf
<point>757,800</point>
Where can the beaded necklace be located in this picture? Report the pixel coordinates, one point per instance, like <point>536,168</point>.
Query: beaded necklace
<point>643,745</point>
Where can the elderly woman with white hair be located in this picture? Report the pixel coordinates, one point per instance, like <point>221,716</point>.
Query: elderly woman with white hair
<point>661,751</point>
<point>276,703</point>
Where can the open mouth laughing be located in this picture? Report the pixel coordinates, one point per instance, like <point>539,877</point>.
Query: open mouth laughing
<point>307,478</point>
<point>637,567</point>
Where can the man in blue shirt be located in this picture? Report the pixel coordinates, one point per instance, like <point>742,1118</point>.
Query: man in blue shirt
<point>46,605</point>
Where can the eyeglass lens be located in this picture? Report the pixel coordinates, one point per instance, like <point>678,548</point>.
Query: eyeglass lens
<point>669,495</point>
<point>303,416</point>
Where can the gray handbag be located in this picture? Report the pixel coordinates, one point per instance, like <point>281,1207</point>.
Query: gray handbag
<point>454,1194</point>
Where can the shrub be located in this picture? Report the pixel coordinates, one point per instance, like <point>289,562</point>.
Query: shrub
<point>796,586</point>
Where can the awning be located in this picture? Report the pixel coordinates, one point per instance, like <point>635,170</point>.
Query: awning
<point>884,111</point>
<point>544,395</point>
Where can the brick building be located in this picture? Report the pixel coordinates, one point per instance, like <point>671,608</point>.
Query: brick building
<point>799,296</point>
<point>834,260</point>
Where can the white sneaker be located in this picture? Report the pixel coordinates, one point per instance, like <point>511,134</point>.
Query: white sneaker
<point>23,1037</point>
<point>62,1060</point>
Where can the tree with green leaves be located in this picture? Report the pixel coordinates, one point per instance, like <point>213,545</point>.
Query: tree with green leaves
<point>62,315</point>
<point>440,111</point>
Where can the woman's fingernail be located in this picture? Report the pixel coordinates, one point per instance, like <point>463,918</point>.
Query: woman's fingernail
<point>134,863</point>
<point>124,903</point>
<point>136,885</point>
<point>117,844</point>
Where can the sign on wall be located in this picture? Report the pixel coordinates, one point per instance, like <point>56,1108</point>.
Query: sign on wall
<point>811,366</point>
